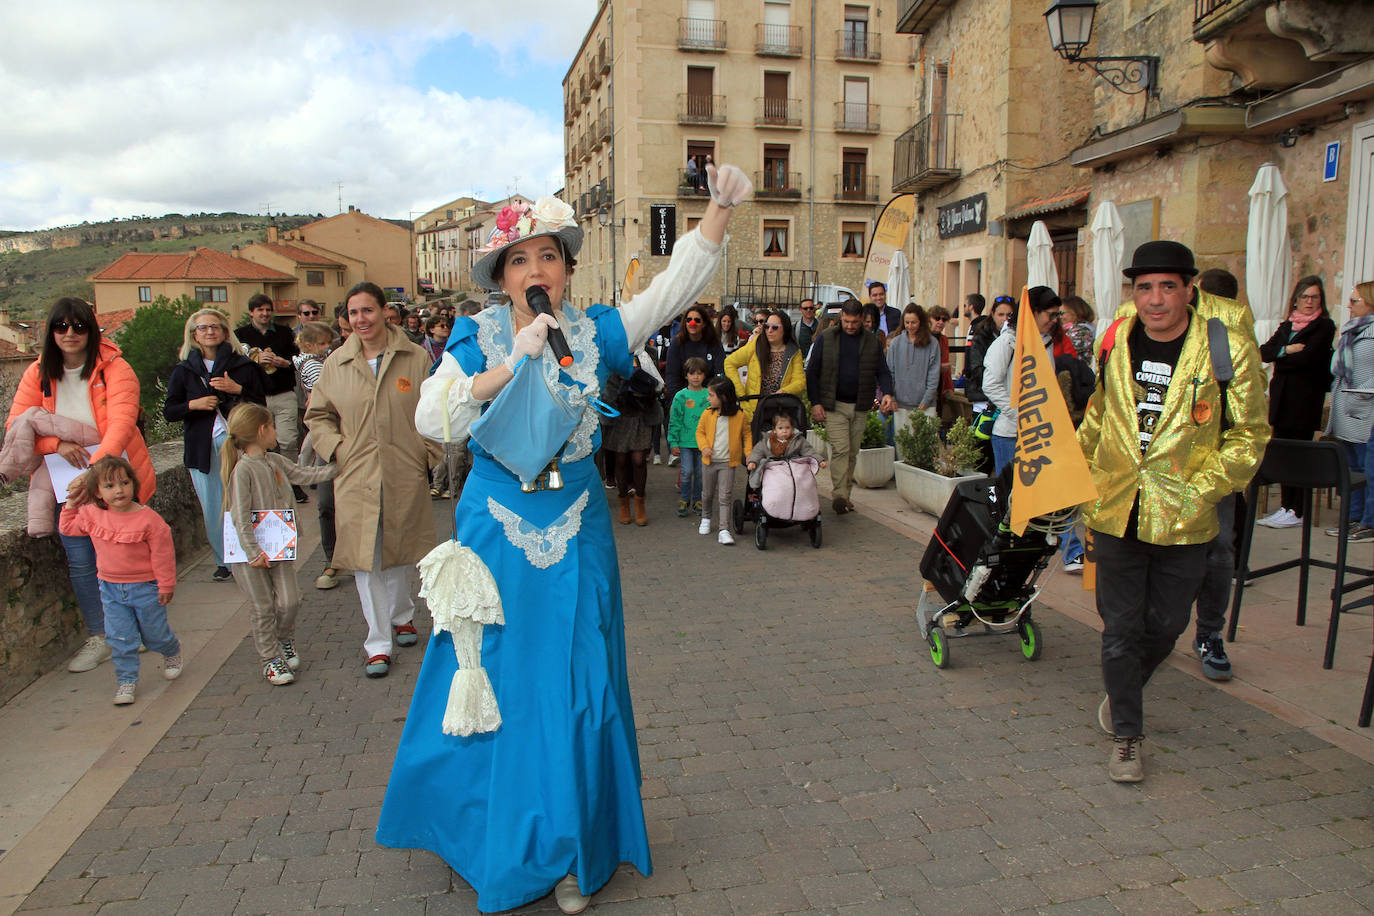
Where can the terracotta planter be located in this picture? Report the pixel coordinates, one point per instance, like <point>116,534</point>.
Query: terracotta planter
<point>926,490</point>
<point>873,467</point>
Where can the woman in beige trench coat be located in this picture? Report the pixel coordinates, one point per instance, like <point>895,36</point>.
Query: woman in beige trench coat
<point>362,415</point>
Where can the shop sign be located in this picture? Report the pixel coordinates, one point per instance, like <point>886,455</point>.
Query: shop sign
<point>662,229</point>
<point>964,217</point>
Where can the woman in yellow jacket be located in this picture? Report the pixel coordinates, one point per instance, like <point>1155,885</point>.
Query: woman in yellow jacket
<point>723,448</point>
<point>778,367</point>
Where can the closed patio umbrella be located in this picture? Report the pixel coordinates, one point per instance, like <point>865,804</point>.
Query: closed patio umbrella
<point>1040,258</point>
<point>1109,253</point>
<point>899,281</point>
<point>1268,263</point>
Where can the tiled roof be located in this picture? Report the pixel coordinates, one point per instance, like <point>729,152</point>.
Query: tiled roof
<point>10,351</point>
<point>197,264</point>
<point>112,321</point>
<point>299,255</point>
<point>1064,200</point>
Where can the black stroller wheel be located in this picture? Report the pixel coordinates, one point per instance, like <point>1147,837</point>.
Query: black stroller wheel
<point>737,516</point>
<point>761,535</point>
<point>816,533</point>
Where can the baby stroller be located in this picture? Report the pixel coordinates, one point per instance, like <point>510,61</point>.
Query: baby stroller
<point>981,572</point>
<point>787,494</point>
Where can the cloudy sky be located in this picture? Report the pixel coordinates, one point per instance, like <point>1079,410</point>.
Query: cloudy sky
<point>132,107</point>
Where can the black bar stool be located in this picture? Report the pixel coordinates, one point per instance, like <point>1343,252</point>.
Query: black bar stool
<point>1309,466</point>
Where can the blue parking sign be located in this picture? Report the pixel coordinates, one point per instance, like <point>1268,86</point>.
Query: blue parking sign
<point>1333,160</point>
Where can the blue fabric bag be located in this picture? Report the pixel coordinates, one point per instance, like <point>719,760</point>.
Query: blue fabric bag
<point>527,424</point>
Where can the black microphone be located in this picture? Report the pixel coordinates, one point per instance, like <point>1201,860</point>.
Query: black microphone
<point>537,299</point>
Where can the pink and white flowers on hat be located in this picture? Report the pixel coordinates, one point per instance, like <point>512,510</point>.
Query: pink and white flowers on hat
<point>520,220</point>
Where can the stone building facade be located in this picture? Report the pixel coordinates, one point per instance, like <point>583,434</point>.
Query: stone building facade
<point>1239,83</point>
<point>806,97</point>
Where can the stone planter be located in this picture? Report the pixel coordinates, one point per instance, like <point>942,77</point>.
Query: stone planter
<point>873,467</point>
<point>926,490</point>
<point>820,445</point>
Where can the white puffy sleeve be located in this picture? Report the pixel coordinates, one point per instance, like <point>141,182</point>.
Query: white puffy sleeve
<point>691,267</point>
<point>446,399</point>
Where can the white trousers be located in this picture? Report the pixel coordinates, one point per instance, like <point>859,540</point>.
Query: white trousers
<point>385,595</point>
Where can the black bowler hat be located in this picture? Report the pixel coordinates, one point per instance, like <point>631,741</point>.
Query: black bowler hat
<point>1161,257</point>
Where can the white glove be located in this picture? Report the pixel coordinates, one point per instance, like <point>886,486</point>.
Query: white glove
<point>728,185</point>
<point>530,341</point>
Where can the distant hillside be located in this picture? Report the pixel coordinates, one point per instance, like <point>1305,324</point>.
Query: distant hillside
<point>40,266</point>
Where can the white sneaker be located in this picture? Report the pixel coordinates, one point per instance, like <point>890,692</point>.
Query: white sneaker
<point>1285,518</point>
<point>124,694</point>
<point>1275,516</point>
<point>725,537</point>
<point>658,459</point>
<point>94,651</point>
<point>171,667</point>
<point>569,897</point>
<point>705,526</point>
<point>672,460</point>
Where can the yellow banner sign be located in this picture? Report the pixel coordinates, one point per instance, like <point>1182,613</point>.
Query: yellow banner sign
<point>1049,471</point>
<point>889,235</point>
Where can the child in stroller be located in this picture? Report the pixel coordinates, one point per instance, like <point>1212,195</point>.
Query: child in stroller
<point>781,489</point>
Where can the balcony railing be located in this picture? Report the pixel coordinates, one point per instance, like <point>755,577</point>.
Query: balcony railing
<point>700,109</point>
<point>691,185</point>
<point>602,130</point>
<point>772,40</point>
<point>856,117</point>
<point>852,44</point>
<point>924,156</point>
<point>859,188</point>
<point>700,34</point>
<point>776,182</point>
<point>775,112</point>
<point>1204,8</point>
<point>603,57</point>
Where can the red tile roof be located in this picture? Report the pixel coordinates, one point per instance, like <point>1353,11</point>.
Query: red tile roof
<point>197,264</point>
<point>299,255</point>
<point>1064,200</point>
<point>112,321</point>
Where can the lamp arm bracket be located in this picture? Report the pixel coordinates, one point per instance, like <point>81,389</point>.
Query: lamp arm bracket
<point>1140,72</point>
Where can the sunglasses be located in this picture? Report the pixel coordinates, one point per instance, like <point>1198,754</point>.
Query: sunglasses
<point>309,314</point>
<point>773,327</point>
<point>808,308</point>
<point>694,321</point>
<point>63,326</point>
<point>1000,299</point>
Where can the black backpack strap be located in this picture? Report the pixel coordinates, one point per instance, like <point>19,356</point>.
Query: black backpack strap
<point>1219,345</point>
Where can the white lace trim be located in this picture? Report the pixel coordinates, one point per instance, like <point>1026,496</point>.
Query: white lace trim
<point>462,597</point>
<point>543,547</point>
<point>494,338</point>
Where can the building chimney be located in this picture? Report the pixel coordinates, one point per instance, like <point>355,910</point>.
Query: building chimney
<point>272,235</point>
<point>351,208</point>
<point>236,251</point>
<point>4,318</point>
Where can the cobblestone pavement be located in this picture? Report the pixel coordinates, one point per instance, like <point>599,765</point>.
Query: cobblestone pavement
<point>800,754</point>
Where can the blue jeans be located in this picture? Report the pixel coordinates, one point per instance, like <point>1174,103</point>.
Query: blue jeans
<point>689,477</point>
<point>81,569</point>
<point>1361,458</point>
<point>132,614</point>
<point>210,491</point>
<point>1003,450</point>
<point>1073,545</point>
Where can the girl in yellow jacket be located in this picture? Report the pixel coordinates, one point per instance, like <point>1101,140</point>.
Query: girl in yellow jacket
<point>724,446</point>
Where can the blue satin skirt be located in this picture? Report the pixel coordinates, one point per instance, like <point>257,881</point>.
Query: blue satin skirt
<point>556,789</point>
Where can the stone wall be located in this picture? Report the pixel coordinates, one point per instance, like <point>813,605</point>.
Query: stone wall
<point>40,626</point>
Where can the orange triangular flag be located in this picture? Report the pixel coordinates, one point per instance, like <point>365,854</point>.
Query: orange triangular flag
<point>1049,472</point>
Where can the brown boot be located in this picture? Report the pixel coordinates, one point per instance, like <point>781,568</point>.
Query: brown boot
<point>624,510</point>
<point>641,513</point>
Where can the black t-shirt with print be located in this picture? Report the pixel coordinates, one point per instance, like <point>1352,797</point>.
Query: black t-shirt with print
<point>1152,367</point>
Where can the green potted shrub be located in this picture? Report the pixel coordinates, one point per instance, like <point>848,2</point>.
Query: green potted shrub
<point>929,469</point>
<point>873,466</point>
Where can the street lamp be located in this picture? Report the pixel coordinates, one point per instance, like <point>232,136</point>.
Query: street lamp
<point>1071,27</point>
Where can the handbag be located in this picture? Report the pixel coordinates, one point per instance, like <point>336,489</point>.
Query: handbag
<point>528,423</point>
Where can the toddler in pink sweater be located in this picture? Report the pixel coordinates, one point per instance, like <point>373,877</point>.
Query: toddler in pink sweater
<point>136,564</point>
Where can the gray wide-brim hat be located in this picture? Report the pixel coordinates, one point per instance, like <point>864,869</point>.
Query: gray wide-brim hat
<point>546,216</point>
<point>1162,257</point>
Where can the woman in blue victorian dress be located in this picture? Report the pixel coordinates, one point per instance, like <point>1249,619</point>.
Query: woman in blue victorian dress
<point>549,799</point>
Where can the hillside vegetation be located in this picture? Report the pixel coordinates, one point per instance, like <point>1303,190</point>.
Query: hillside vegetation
<point>38,267</point>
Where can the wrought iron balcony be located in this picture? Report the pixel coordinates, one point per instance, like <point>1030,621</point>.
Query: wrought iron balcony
<point>602,129</point>
<point>924,155</point>
<point>851,44</point>
<point>700,34</point>
<point>775,112</point>
<point>856,117</point>
<point>857,188</point>
<point>700,109</point>
<point>777,40</point>
<point>777,183</point>
<point>689,185</point>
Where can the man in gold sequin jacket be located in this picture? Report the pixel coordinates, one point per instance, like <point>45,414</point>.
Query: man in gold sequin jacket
<point>1161,458</point>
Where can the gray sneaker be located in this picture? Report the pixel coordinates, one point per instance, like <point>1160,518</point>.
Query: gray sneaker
<point>94,651</point>
<point>1125,764</point>
<point>1210,649</point>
